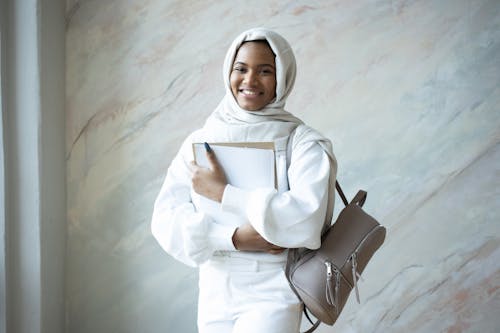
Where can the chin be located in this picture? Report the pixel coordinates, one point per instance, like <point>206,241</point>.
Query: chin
<point>251,107</point>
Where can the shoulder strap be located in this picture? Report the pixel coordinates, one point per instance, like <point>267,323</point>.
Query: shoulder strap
<point>289,161</point>
<point>341,193</point>
<point>289,147</point>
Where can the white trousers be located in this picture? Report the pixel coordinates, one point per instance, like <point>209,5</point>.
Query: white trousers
<point>246,296</point>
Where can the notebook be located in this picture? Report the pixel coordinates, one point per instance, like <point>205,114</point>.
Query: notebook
<point>247,165</point>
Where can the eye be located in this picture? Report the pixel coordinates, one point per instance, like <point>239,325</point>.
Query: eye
<point>239,69</point>
<point>266,70</point>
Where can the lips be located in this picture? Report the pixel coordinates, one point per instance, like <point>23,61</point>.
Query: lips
<point>250,92</point>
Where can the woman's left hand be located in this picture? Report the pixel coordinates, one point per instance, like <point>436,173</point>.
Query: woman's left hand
<point>209,182</point>
<point>246,238</point>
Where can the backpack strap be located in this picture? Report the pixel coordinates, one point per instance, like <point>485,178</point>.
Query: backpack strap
<point>289,161</point>
<point>289,148</point>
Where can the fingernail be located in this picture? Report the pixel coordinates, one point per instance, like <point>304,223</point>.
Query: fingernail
<point>207,147</point>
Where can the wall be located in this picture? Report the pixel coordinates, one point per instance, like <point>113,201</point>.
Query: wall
<point>33,205</point>
<point>3,212</point>
<point>407,91</point>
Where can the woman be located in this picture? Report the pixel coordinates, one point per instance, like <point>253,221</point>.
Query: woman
<point>242,283</point>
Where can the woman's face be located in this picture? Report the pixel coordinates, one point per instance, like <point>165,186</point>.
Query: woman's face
<point>253,76</point>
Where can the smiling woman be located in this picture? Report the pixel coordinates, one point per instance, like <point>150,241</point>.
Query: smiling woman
<point>253,78</point>
<point>243,287</point>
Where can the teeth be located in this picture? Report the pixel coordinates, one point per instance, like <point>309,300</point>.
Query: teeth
<point>249,92</point>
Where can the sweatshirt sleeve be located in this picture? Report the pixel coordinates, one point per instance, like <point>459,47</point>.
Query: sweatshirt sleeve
<point>293,218</point>
<point>186,234</point>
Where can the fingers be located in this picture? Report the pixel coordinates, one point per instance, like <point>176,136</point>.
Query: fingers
<point>193,166</point>
<point>208,182</point>
<point>212,159</point>
<point>276,251</point>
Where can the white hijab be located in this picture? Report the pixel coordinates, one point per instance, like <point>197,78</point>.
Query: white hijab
<point>230,112</point>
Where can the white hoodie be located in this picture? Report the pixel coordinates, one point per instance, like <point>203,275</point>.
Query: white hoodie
<point>291,216</point>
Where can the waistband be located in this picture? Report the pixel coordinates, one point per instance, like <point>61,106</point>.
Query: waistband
<point>240,264</point>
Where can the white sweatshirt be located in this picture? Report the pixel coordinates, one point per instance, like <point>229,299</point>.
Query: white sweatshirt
<point>291,216</point>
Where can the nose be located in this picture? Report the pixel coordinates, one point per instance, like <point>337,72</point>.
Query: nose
<point>250,77</point>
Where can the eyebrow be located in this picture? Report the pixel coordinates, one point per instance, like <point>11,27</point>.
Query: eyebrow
<point>261,65</point>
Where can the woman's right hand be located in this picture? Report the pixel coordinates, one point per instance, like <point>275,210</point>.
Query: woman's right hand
<point>246,238</point>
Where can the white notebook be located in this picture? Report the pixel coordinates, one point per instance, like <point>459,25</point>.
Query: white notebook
<point>247,165</point>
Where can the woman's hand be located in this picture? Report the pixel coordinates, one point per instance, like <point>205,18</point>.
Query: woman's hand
<point>209,182</point>
<point>246,238</point>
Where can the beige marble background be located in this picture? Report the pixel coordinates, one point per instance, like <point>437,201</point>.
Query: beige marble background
<point>408,91</point>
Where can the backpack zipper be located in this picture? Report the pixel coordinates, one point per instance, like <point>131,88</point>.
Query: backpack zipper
<point>354,262</point>
<point>332,296</point>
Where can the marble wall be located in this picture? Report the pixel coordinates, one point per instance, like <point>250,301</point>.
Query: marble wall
<point>408,91</point>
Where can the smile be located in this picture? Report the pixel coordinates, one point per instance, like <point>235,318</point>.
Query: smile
<point>250,92</point>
